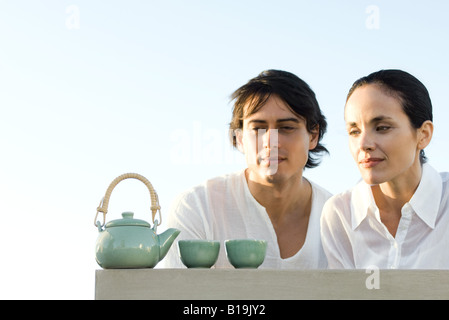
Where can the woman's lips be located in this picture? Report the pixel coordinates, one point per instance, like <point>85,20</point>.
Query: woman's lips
<point>370,162</point>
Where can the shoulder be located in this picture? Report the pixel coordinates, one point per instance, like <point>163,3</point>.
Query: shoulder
<point>320,193</point>
<point>338,206</point>
<point>445,184</point>
<point>432,179</point>
<point>197,209</point>
<point>216,185</point>
<point>319,197</point>
<point>340,199</point>
<point>444,178</point>
<point>223,181</point>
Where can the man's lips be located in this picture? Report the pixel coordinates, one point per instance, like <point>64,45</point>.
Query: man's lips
<point>269,160</point>
<point>370,162</point>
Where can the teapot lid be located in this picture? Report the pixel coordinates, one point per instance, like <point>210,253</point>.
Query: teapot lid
<point>127,220</point>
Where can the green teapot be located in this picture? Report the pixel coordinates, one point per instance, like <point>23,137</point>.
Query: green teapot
<point>128,242</point>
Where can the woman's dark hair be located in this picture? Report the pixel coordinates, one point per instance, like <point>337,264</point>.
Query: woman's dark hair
<point>296,93</point>
<point>412,94</point>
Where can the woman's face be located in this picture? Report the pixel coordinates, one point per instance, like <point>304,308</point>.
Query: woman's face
<point>382,140</point>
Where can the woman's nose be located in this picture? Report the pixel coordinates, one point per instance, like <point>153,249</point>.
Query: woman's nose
<point>366,142</point>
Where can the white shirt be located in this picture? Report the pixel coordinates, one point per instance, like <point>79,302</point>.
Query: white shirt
<point>354,237</point>
<point>224,208</point>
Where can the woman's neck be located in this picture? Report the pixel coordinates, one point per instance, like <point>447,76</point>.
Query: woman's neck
<point>391,196</point>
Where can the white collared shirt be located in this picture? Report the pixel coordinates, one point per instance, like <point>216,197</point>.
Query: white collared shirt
<point>223,208</point>
<point>353,235</point>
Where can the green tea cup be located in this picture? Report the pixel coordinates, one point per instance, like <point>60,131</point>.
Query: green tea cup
<point>246,253</point>
<point>198,253</point>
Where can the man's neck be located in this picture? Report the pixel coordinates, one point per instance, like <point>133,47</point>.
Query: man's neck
<point>281,197</point>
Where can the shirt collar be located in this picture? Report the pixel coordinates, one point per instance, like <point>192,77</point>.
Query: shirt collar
<point>361,201</point>
<point>425,202</point>
<point>427,197</point>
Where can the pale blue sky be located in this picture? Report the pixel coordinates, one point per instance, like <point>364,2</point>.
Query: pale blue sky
<point>90,90</point>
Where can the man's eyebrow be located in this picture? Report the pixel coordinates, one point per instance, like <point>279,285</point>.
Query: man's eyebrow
<point>256,121</point>
<point>296,120</point>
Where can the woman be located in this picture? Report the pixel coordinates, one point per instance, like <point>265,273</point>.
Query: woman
<point>397,215</point>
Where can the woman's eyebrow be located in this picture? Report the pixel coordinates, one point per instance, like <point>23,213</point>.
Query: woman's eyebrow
<point>373,121</point>
<point>380,118</point>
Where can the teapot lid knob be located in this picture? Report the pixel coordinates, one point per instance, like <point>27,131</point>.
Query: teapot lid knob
<point>127,215</point>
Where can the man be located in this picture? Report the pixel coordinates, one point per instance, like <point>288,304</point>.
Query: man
<point>278,125</point>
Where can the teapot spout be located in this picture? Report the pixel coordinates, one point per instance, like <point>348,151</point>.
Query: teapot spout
<point>166,240</point>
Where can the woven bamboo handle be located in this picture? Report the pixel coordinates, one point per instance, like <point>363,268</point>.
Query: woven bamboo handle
<point>103,207</point>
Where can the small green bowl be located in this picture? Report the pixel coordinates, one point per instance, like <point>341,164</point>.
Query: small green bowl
<point>198,253</point>
<point>246,253</point>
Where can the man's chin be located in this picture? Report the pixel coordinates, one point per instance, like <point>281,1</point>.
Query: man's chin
<point>272,177</point>
<point>268,174</point>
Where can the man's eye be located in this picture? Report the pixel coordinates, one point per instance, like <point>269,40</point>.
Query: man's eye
<point>287,129</point>
<point>257,130</point>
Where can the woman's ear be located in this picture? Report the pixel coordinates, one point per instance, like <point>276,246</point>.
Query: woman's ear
<point>425,134</point>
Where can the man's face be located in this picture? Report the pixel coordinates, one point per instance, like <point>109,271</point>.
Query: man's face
<point>275,142</point>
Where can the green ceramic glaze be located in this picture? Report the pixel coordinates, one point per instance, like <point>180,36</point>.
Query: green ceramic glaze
<point>197,253</point>
<point>131,243</point>
<point>246,253</point>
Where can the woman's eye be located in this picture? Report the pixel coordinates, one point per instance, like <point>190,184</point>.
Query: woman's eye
<point>382,128</point>
<point>353,132</point>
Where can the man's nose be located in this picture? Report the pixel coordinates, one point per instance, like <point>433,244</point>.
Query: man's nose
<point>270,138</point>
